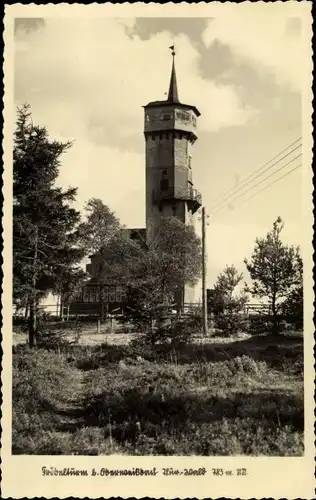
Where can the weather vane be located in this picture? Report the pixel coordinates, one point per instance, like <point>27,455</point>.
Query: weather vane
<point>173,50</point>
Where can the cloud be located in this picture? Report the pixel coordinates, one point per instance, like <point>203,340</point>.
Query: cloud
<point>87,80</point>
<point>270,41</point>
<point>115,176</point>
<point>94,70</point>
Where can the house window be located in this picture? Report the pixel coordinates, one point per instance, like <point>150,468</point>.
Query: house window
<point>120,294</point>
<point>112,294</point>
<point>86,295</point>
<point>92,295</point>
<point>105,293</point>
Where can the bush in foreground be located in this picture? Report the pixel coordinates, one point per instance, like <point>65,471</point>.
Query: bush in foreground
<point>42,381</point>
<point>118,404</point>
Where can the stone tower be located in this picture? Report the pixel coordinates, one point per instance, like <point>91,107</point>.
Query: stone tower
<point>170,132</point>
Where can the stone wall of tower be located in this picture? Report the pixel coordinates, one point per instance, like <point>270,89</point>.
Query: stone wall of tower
<point>170,131</point>
<point>168,157</point>
<point>159,164</point>
<point>182,163</point>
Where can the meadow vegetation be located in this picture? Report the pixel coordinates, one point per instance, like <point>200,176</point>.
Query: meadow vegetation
<point>243,397</point>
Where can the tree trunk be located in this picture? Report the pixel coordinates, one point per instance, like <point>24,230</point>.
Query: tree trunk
<point>102,304</point>
<point>103,311</point>
<point>61,312</point>
<point>33,305</point>
<point>274,314</point>
<point>32,323</point>
<point>26,311</point>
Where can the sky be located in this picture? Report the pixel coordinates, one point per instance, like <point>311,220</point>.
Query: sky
<point>87,80</point>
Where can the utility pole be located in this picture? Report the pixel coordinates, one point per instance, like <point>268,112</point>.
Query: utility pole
<point>204,298</point>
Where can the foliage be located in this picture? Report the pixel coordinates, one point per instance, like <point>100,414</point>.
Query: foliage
<point>293,306</point>
<point>41,380</point>
<point>276,269</point>
<point>124,405</point>
<point>69,283</point>
<point>44,223</point>
<point>153,272</point>
<point>100,226</point>
<point>168,335</point>
<point>225,304</point>
<point>260,323</point>
<point>159,272</point>
<point>98,234</point>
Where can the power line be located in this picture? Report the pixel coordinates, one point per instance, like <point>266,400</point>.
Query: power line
<point>263,180</point>
<point>240,188</point>
<point>242,185</point>
<point>271,183</point>
<point>258,169</point>
<point>268,185</point>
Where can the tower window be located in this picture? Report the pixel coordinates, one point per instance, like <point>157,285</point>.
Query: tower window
<point>183,116</point>
<point>165,116</point>
<point>189,162</point>
<point>164,183</point>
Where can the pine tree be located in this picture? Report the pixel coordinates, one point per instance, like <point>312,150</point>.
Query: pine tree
<point>45,240</point>
<point>224,303</point>
<point>276,269</point>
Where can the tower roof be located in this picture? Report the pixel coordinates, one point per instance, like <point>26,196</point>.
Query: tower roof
<point>173,88</point>
<point>173,95</point>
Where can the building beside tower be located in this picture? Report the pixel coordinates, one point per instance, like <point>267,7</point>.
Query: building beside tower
<point>170,133</point>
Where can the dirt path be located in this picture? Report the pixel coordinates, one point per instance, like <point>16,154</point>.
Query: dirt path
<point>72,413</point>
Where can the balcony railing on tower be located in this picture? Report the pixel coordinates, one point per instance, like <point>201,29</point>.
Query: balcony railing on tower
<point>188,194</point>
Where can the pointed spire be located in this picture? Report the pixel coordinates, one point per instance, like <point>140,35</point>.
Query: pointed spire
<point>173,88</point>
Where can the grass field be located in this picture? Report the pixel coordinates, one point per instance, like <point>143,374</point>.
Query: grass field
<point>235,397</point>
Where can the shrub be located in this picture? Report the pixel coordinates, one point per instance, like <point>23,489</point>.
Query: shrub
<point>206,404</point>
<point>260,324</point>
<point>56,339</point>
<point>231,323</point>
<point>41,381</point>
<point>166,337</point>
<point>247,364</point>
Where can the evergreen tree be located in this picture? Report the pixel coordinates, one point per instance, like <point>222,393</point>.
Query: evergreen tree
<point>45,239</point>
<point>276,269</point>
<point>224,303</point>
